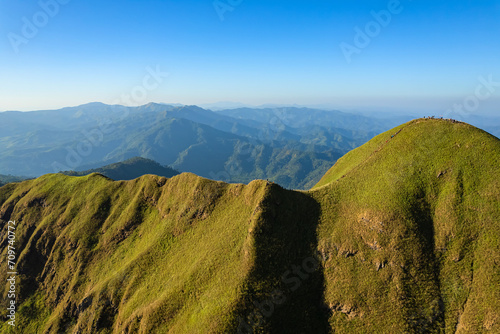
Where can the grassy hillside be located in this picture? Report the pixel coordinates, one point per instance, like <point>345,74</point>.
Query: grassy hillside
<point>129,169</point>
<point>402,235</point>
<point>143,255</point>
<point>410,232</point>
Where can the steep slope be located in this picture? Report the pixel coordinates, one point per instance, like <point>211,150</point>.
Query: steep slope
<point>410,232</point>
<point>402,235</point>
<point>99,256</point>
<point>129,169</point>
<point>303,117</point>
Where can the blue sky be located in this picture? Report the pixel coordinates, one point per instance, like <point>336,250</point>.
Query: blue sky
<point>428,57</point>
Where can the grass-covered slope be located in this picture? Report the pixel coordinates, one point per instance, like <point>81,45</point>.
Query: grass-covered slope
<point>402,235</point>
<point>410,232</point>
<point>98,256</point>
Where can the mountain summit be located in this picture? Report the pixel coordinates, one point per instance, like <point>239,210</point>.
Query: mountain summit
<point>402,235</point>
<point>410,227</point>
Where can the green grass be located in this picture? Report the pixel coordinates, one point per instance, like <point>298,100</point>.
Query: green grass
<point>405,229</point>
<point>424,203</point>
<point>155,248</point>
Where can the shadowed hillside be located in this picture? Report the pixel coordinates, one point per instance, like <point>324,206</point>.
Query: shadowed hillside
<point>402,235</point>
<point>141,255</point>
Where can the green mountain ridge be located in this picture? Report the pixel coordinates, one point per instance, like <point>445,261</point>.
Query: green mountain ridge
<point>402,235</point>
<point>421,202</point>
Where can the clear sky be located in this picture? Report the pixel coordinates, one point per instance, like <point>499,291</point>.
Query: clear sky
<point>427,55</point>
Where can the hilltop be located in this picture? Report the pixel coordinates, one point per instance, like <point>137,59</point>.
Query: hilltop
<point>128,170</point>
<point>401,235</point>
<point>410,227</point>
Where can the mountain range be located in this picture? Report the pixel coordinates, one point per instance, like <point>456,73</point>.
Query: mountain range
<point>4,179</point>
<point>128,170</point>
<point>401,235</point>
<point>291,146</point>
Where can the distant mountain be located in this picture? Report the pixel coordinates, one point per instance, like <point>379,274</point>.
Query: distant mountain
<point>224,105</point>
<point>292,146</point>
<point>4,179</point>
<point>401,235</point>
<point>129,169</point>
<point>228,147</point>
<point>298,118</point>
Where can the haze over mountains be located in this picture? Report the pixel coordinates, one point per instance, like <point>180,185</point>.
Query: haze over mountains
<point>324,167</point>
<point>402,235</point>
<point>291,146</point>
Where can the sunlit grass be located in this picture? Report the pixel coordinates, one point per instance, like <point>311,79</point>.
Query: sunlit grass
<point>406,228</point>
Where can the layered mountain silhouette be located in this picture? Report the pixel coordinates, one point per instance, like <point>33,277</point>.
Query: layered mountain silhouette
<point>401,235</point>
<point>129,169</point>
<point>291,146</point>
<point>4,179</point>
